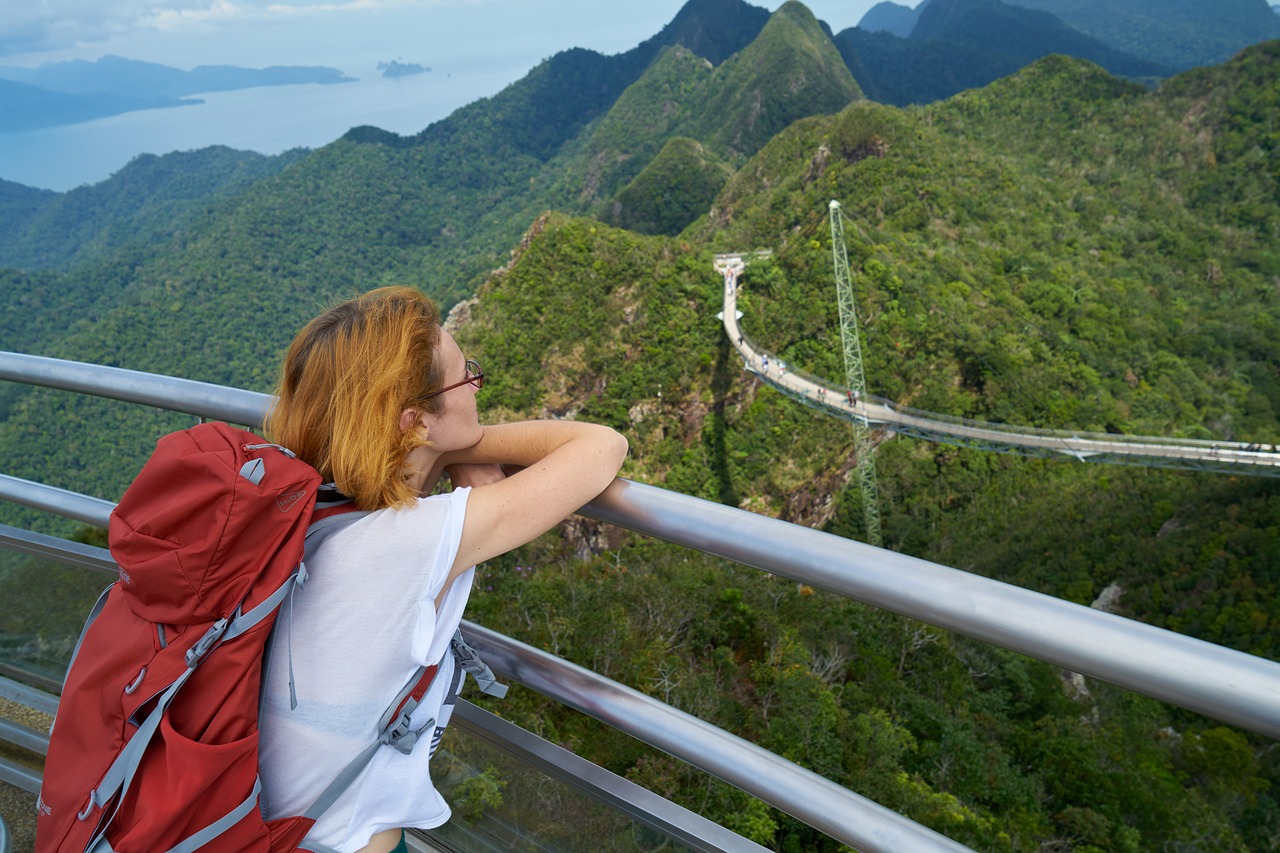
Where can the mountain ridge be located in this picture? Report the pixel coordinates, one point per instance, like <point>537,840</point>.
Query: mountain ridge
<point>1178,34</point>
<point>963,44</point>
<point>789,71</point>
<point>1022,35</point>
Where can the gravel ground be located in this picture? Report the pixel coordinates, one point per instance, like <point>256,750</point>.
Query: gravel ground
<point>18,807</point>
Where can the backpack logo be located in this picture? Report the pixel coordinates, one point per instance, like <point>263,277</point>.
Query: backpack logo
<point>124,576</point>
<point>284,503</point>
<point>42,808</point>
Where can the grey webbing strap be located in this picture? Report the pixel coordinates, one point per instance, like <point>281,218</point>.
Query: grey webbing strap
<point>318,530</point>
<point>356,766</point>
<point>194,842</point>
<point>316,847</point>
<point>100,846</point>
<point>245,621</point>
<point>390,731</point>
<point>301,578</point>
<point>316,533</point>
<point>388,716</point>
<point>469,659</point>
<point>89,620</point>
<point>121,772</point>
<point>342,781</point>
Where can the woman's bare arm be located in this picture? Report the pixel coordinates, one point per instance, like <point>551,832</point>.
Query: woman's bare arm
<point>565,464</point>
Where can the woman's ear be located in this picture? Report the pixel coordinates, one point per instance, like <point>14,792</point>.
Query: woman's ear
<point>411,418</point>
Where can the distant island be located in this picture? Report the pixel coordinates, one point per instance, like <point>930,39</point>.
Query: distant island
<point>395,68</point>
<point>58,93</point>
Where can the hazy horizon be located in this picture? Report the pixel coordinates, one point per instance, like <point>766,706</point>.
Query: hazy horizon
<point>474,48</point>
<point>346,35</point>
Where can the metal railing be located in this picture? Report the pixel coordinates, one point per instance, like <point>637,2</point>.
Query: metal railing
<point>1220,683</point>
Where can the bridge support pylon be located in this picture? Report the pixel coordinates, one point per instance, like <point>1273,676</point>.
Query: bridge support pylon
<point>854,377</point>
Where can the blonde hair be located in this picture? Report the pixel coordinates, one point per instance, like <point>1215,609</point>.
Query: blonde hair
<point>345,380</point>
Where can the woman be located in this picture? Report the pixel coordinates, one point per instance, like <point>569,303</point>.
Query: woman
<point>381,400</point>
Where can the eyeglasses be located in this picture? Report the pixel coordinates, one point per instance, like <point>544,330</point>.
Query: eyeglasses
<point>475,376</point>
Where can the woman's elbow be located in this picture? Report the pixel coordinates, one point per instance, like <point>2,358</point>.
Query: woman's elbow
<point>611,448</point>
<point>620,448</point>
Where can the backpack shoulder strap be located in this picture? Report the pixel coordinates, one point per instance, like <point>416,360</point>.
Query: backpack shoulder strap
<point>333,511</point>
<point>393,730</point>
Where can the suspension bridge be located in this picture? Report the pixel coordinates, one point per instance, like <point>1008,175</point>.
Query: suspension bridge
<point>870,411</point>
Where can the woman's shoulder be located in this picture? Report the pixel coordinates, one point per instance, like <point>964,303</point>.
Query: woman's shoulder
<point>433,511</point>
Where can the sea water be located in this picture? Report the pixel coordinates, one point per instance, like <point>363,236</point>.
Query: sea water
<point>267,120</point>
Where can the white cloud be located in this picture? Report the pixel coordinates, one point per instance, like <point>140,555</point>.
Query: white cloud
<point>181,18</point>
<point>32,27</point>
<point>349,6</point>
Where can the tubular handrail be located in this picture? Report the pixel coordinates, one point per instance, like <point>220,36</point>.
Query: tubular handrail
<point>841,813</point>
<point>639,804</point>
<point>202,399</point>
<point>1218,682</point>
<point>814,799</point>
<point>1221,683</point>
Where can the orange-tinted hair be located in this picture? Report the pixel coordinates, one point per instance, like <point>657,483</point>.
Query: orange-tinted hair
<point>345,380</point>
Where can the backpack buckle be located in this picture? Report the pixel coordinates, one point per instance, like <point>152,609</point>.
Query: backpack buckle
<point>402,737</point>
<point>469,659</point>
<point>196,653</point>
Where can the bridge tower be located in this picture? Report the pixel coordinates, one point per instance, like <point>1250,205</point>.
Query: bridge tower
<point>854,377</point>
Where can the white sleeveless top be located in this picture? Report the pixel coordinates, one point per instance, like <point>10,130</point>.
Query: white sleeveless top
<point>363,622</point>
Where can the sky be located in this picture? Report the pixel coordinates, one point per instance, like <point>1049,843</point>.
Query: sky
<point>346,34</point>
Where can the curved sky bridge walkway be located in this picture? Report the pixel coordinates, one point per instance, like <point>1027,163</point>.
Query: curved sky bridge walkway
<point>872,411</point>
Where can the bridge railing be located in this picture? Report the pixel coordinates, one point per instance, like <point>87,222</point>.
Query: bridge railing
<point>837,399</point>
<point>1260,458</point>
<point>1220,683</point>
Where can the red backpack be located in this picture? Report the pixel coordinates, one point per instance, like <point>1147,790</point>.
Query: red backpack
<point>155,743</point>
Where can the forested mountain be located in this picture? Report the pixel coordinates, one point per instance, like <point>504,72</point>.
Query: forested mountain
<point>439,208</point>
<point>1024,255</point>
<point>1060,248</point>
<point>1177,34</point>
<point>712,29</point>
<point>1022,35</point>
<point>149,201</point>
<point>955,45</point>
<point>790,71</point>
<point>673,190</point>
<point>891,18</point>
<point>902,55</point>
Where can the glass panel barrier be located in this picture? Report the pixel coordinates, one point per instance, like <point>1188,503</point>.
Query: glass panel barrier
<point>45,603</point>
<point>510,789</point>
<point>502,803</point>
